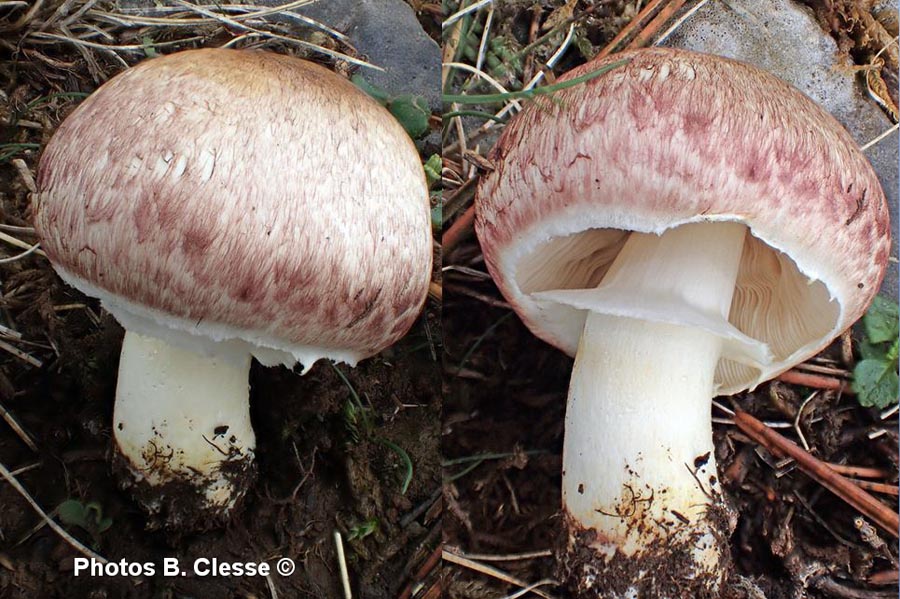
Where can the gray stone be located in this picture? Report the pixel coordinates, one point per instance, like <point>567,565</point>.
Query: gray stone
<point>388,34</point>
<point>784,38</point>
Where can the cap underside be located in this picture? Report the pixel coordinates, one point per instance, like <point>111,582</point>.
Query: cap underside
<point>774,301</point>
<point>207,337</point>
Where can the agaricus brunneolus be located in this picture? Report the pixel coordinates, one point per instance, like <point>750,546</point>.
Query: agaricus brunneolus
<point>223,205</point>
<point>684,225</point>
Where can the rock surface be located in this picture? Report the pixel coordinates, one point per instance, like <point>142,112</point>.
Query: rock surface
<point>388,34</point>
<point>784,38</point>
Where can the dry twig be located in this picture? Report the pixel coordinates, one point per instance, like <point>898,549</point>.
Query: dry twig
<point>17,428</point>
<point>465,562</point>
<point>818,470</point>
<point>816,381</point>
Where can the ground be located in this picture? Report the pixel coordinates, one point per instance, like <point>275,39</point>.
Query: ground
<point>323,463</point>
<point>505,391</point>
<point>504,408</point>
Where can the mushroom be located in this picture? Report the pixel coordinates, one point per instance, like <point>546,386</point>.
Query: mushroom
<point>684,225</point>
<point>223,205</point>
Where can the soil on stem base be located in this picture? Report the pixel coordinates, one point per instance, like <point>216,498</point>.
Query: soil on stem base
<point>662,571</point>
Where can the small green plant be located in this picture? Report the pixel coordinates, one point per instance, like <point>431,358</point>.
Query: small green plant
<point>359,426</point>
<point>501,58</point>
<point>86,516</point>
<point>354,418</point>
<point>410,111</point>
<point>407,463</point>
<point>535,92</point>
<point>38,102</point>
<point>7,151</point>
<point>432,168</point>
<point>361,531</point>
<point>148,47</point>
<point>356,415</point>
<point>875,376</point>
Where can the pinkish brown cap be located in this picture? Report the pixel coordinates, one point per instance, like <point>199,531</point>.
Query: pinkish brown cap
<point>240,195</point>
<point>675,137</point>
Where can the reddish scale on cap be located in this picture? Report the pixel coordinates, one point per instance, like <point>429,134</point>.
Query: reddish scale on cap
<point>675,135</point>
<point>248,189</point>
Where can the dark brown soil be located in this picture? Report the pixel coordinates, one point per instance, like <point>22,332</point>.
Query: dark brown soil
<point>314,477</point>
<point>319,469</point>
<point>508,398</point>
<point>666,569</point>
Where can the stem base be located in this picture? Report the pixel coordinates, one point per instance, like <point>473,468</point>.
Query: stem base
<point>182,428</point>
<point>667,570</point>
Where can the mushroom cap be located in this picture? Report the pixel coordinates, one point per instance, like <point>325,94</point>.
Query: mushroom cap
<point>675,137</point>
<point>242,196</point>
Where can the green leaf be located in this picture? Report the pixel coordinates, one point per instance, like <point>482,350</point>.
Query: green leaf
<point>72,512</point>
<point>881,322</point>
<point>104,524</point>
<point>361,531</point>
<point>871,351</point>
<point>412,112</point>
<point>433,169</point>
<point>148,47</point>
<point>87,516</point>
<point>876,383</point>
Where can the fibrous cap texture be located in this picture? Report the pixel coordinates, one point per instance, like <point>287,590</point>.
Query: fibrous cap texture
<point>674,137</point>
<point>240,195</point>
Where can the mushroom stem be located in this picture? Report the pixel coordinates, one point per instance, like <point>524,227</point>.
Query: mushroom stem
<point>184,417</point>
<point>639,473</point>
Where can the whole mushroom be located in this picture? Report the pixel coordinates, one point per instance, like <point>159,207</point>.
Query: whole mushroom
<point>684,225</point>
<point>223,205</point>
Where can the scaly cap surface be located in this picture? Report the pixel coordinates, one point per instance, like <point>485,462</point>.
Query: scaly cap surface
<point>231,194</point>
<point>674,137</point>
